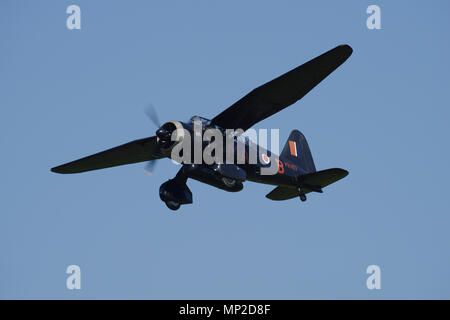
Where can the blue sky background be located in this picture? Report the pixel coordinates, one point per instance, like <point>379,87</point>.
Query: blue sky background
<point>383,116</point>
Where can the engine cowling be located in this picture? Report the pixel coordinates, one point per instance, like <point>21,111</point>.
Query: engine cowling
<point>169,135</point>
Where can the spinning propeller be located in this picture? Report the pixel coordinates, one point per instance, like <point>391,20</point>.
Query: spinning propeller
<point>151,113</point>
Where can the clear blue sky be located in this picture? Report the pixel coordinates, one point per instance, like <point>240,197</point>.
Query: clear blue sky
<point>383,116</point>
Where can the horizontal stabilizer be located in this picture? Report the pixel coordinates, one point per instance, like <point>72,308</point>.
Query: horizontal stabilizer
<point>131,152</point>
<point>320,179</point>
<point>308,183</point>
<point>282,193</point>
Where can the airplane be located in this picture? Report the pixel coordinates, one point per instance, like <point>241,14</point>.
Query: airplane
<point>296,174</point>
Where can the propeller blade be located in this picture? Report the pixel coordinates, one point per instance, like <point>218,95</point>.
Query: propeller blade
<point>150,167</point>
<point>150,111</point>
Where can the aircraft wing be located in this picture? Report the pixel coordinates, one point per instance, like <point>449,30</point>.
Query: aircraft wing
<point>131,152</point>
<point>281,92</point>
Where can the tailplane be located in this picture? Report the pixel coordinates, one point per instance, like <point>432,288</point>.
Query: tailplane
<point>311,182</point>
<point>296,151</point>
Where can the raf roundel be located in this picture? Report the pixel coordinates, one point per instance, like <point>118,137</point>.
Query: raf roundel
<point>265,158</point>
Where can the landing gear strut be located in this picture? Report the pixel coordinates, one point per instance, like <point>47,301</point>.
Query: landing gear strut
<point>301,194</point>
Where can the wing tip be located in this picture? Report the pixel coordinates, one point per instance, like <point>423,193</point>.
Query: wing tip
<point>55,170</point>
<point>61,170</point>
<point>346,50</point>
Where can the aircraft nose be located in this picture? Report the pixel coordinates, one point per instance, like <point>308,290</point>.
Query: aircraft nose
<point>162,133</point>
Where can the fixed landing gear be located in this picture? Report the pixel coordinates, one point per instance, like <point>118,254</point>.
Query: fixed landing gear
<point>175,192</point>
<point>301,194</point>
<point>230,183</point>
<point>173,205</point>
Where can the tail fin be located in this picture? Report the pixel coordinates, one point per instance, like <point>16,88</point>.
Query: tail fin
<point>296,150</point>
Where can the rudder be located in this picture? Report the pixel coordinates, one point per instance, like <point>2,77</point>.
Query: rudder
<point>297,151</point>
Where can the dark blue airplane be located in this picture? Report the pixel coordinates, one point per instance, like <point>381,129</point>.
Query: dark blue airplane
<point>296,173</point>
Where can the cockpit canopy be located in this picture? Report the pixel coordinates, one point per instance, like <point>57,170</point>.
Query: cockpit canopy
<point>205,122</point>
